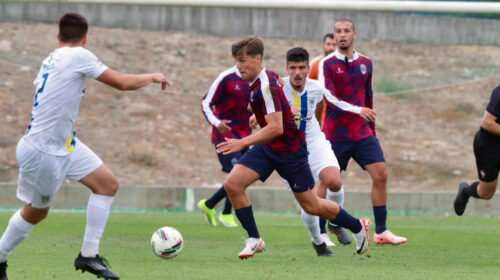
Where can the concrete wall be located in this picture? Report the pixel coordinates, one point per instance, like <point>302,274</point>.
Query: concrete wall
<point>307,24</point>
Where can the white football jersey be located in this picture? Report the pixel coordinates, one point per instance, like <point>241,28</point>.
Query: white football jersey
<point>60,86</point>
<point>305,102</point>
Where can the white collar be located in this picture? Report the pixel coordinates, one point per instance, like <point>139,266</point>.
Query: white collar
<point>340,56</point>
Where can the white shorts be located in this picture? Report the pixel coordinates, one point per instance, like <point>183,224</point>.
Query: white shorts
<point>41,174</point>
<point>320,155</point>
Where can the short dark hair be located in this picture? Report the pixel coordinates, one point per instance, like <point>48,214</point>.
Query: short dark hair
<point>72,27</point>
<point>251,45</point>
<point>297,54</point>
<point>347,20</point>
<point>327,35</point>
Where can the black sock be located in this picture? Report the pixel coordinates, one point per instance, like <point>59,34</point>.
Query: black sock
<point>227,207</point>
<point>380,213</point>
<point>247,220</point>
<point>322,225</point>
<point>345,220</point>
<point>216,198</point>
<point>472,190</point>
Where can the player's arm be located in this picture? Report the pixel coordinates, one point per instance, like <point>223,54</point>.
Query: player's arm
<point>211,99</point>
<point>319,111</point>
<point>489,123</point>
<point>273,129</point>
<point>121,81</point>
<point>366,113</point>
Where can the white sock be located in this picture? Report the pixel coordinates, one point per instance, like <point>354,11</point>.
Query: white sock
<point>312,224</point>
<point>338,197</point>
<point>17,230</point>
<point>97,216</point>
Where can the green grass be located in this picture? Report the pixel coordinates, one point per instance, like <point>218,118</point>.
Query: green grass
<point>438,248</point>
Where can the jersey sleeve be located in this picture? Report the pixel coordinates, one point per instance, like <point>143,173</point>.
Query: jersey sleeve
<point>89,65</point>
<point>369,97</point>
<point>344,106</point>
<point>494,105</point>
<point>211,99</point>
<point>325,76</point>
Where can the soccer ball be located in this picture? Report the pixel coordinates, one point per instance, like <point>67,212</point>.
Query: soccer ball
<point>167,242</point>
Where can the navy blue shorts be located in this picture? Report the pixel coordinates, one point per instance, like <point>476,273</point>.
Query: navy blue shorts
<point>292,167</point>
<point>228,161</point>
<point>365,151</point>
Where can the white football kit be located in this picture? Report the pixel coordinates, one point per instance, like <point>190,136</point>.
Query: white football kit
<point>320,152</point>
<point>49,152</point>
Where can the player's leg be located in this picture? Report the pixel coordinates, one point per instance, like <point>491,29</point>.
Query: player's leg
<point>236,183</point>
<point>295,169</point>
<point>87,168</point>
<point>207,205</point>
<point>314,205</point>
<point>343,151</point>
<point>40,176</point>
<point>321,191</point>
<point>369,155</point>
<point>488,166</point>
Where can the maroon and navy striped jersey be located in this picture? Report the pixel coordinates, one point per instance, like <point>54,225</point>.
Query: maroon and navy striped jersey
<point>267,97</point>
<point>349,81</point>
<point>227,99</point>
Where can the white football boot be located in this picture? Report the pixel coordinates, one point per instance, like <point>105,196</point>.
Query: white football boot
<point>252,247</point>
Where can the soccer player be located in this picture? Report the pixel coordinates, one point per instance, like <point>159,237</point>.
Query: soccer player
<point>348,76</point>
<point>49,151</point>
<point>487,154</point>
<point>228,96</point>
<point>305,97</point>
<point>329,46</point>
<point>279,145</point>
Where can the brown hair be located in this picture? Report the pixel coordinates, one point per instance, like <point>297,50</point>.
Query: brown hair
<point>72,27</point>
<point>251,45</point>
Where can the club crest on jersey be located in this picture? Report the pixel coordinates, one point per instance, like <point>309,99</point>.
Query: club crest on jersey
<point>311,103</point>
<point>339,71</point>
<point>363,69</point>
<point>237,87</point>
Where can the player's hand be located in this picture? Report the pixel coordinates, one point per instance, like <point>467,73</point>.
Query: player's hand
<point>252,122</point>
<point>160,78</point>
<point>368,114</point>
<point>294,110</point>
<point>223,126</point>
<point>230,146</point>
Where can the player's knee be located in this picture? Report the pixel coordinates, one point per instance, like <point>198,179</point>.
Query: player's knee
<point>311,209</point>
<point>333,184</point>
<point>380,179</point>
<point>230,187</point>
<point>111,186</point>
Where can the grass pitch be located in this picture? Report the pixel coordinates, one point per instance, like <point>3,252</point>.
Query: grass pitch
<point>438,248</point>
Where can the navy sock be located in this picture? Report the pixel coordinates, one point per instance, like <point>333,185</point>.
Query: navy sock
<point>322,225</point>
<point>380,213</point>
<point>245,216</point>
<point>216,197</point>
<point>227,207</point>
<point>345,220</point>
<point>472,190</point>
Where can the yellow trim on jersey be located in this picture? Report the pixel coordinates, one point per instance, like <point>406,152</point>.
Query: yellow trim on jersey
<point>70,144</point>
<point>297,105</point>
